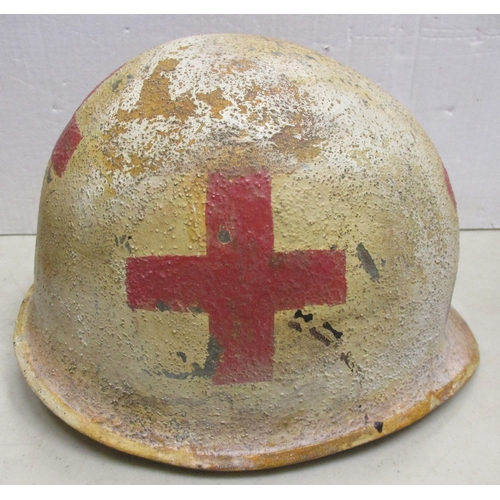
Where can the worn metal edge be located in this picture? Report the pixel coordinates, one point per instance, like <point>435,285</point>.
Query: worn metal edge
<point>217,462</point>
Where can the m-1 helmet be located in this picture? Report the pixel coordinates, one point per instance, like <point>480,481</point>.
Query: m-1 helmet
<point>245,258</point>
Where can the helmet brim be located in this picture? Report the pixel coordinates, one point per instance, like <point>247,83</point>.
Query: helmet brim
<point>462,358</point>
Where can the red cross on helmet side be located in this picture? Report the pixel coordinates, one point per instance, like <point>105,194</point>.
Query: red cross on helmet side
<point>245,258</point>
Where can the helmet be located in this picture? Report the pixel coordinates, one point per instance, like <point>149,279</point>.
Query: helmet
<point>246,254</point>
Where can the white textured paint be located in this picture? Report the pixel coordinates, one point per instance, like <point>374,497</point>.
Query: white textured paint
<point>444,69</point>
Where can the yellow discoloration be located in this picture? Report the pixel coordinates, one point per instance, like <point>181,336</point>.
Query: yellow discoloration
<point>168,349</point>
<point>175,223</point>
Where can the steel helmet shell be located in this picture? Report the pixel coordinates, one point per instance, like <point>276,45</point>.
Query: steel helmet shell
<point>245,258</point>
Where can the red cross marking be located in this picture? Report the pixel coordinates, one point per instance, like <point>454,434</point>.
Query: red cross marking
<point>240,282</point>
<point>69,139</point>
<point>66,146</point>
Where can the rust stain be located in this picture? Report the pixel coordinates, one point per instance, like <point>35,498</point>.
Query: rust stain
<point>215,100</point>
<point>156,100</point>
<point>237,66</point>
<point>294,139</point>
<point>166,65</point>
<point>256,94</point>
<point>252,93</point>
<point>299,138</point>
<point>139,166</point>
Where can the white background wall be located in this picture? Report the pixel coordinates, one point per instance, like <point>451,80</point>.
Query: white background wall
<point>444,69</point>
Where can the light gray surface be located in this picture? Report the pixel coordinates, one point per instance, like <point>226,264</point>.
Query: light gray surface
<point>444,69</point>
<point>457,443</point>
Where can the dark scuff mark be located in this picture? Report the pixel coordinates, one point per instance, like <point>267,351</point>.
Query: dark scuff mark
<point>382,262</point>
<point>209,367</point>
<point>345,357</point>
<point>295,325</point>
<point>162,307</point>
<point>177,376</point>
<point>305,317</point>
<point>181,355</point>
<point>195,309</point>
<point>319,336</point>
<point>223,236</point>
<point>146,372</point>
<point>116,84</point>
<point>49,176</point>
<point>123,239</point>
<point>212,361</point>
<point>379,426</point>
<point>367,262</point>
<point>336,333</point>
